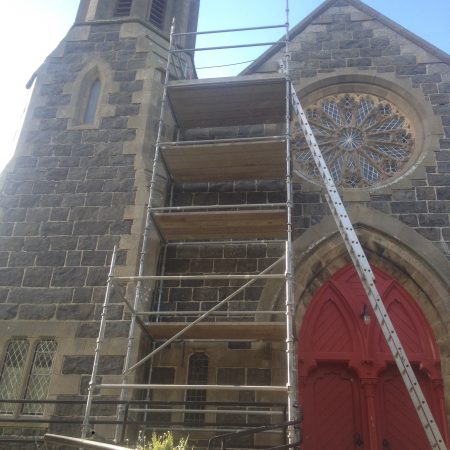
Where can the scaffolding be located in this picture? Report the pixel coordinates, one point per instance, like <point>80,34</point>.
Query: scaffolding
<point>243,100</point>
<point>234,101</point>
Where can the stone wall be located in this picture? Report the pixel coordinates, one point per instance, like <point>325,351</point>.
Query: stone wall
<point>71,193</point>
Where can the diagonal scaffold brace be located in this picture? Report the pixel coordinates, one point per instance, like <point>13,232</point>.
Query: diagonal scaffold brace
<point>367,278</point>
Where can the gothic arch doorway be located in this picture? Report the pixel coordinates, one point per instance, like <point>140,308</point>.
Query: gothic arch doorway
<point>350,389</point>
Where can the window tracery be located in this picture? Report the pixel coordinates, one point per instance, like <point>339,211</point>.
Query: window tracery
<point>365,140</point>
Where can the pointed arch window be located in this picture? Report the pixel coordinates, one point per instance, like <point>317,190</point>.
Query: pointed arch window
<point>92,102</point>
<point>123,8</point>
<point>197,374</point>
<point>157,12</point>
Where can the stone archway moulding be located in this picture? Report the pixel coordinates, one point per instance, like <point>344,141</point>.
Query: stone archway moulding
<point>392,246</point>
<point>320,251</point>
<point>95,68</point>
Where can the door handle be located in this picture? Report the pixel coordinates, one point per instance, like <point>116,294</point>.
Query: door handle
<point>358,440</point>
<point>386,443</point>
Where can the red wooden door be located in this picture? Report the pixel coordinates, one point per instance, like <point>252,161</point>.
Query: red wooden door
<point>351,392</point>
<point>399,427</point>
<point>332,403</point>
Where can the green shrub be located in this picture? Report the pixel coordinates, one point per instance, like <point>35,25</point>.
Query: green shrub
<point>164,442</point>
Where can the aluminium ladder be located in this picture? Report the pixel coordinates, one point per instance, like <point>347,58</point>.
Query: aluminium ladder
<point>367,278</point>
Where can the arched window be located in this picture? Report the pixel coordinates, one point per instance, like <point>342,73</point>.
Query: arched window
<point>157,12</point>
<point>197,374</point>
<point>92,102</point>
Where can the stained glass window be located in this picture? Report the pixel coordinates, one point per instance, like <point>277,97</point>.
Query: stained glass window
<point>365,140</point>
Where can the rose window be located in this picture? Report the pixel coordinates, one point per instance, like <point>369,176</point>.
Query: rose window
<point>365,140</point>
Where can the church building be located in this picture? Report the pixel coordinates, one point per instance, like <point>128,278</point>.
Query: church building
<point>168,256</point>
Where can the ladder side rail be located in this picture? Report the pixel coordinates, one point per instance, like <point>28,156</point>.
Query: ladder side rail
<point>86,427</point>
<point>145,238</point>
<point>367,278</point>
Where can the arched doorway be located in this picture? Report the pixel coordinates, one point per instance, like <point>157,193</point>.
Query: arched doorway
<point>351,392</point>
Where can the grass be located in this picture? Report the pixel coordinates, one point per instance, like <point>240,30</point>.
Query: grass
<point>163,442</point>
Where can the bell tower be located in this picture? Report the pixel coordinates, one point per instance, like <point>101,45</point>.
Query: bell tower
<point>156,14</point>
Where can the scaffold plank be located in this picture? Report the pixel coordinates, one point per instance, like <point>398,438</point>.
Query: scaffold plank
<point>191,226</point>
<point>228,101</point>
<point>246,160</point>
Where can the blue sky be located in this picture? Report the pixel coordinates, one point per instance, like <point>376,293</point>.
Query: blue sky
<point>430,23</point>
<point>34,27</point>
